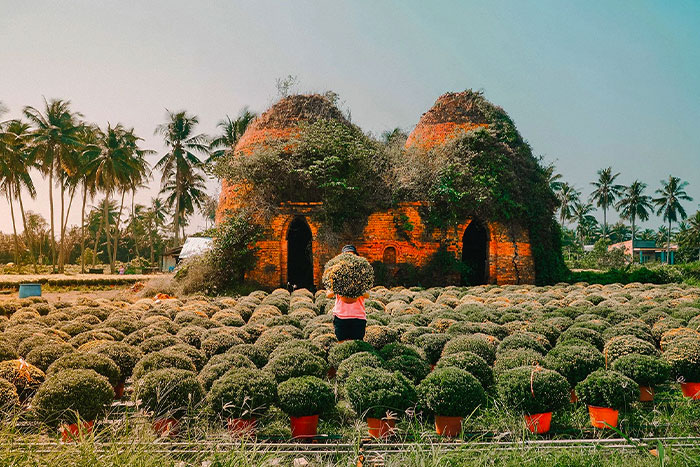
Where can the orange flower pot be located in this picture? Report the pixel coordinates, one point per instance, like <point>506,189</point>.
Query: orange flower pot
<point>167,427</point>
<point>574,397</point>
<point>380,427</point>
<point>448,426</point>
<point>73,431</point>
<point>241,426</point>
<point>646,393</point>
<point>691,390</point>
<point>304,427</point>
<point>601,417</point>
<point>119,390</point>
<point>539,423</point>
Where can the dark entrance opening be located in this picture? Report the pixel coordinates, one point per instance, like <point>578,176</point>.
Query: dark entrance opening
<point>300,265</point>
<point>475,244</point>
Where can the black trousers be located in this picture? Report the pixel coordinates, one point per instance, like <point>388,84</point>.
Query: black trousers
<point>349,329</point>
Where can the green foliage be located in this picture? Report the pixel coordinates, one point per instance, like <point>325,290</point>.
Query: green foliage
<point>161,360</point>
<point>219,343</point>
<point>9,399</point>
<point>348,275</point>
<point>70,392</point>
<point>645,370</point>
<point>101,364</point>
<point>584,334</point>
<point>243,393</point>
<point>396,349</point>
<point>357,361</point>
<point>521,340</point>
<point>432,345</point>
<point>295,363</point>
<point>169,392</point>
<point>516,358</point>
<point>413,368</point>
<point>343,350</point>
<point>533,390</point>
<point>470,362</point>
<point>373,392</point>
<point>625,345</point>
<point>607,388</point>
<point>26,377</point>
<point>574,362</point>
<point>305,395</point>
<point>45,355</point>
<point>684,357</point>
<point>221,364</point>
<point>473,343</point>
<point>451,392</point>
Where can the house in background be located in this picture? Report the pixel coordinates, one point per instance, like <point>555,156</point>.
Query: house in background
<point>193,246</point>
<point>645,251</point>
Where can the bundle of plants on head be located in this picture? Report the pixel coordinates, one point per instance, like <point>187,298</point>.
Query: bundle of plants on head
<point>684,357</point>
<point>625,345</point>
<point>101,364</point>
<point>607,388</point>
<point>645,370</point>
<point>304,396</point>
<point>356,362</point>
<point>451,392</point>
<point>574,362</point>
<point>348,275</point>
<point>72,393</point>
<point>373,392</point>
<point>343,350</point>
<point>169,392</point>
<point>475,344</point>
<point>243,393</point>
<point>294,363</point>
<point>161,360</point>
<point>470,362</point>
<point>26,377</point>
<point>533,389</point>
<point>124,355</point>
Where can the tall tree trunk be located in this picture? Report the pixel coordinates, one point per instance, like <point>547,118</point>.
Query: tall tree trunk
<point>668,245</point>
<point>133,220</point>
<point>177,206</point>
<point>8,190</point>
<point>53,235</point>
<point>82,230</point>
<point>64,226</point>
<point>27,236</point>
<point>116,228</point>
<point>97,241</point>
<point>633,239</point>
<point>60,226</point>
<point>105,214</point>
<point>605,222</point>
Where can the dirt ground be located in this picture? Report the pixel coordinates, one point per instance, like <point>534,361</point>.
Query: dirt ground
<point>122,292</point>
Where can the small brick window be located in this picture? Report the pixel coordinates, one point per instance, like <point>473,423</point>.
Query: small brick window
<point>389,257</point>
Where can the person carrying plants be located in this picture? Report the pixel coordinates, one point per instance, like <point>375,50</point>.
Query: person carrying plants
<point>348,278</point>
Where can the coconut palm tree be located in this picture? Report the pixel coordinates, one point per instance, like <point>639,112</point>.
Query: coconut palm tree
<point>98,221</point>
<point>181,161</point>
<point>619,232</point>
<point>668,204</point>
<point>90,141</point>
<point>231,132</point>
<point>192,194</point>
<point>691,233</point>
<point>634,204</point>
<point>54,139</point>
<point>581,213</point>
<point>606,193</point>
<point>553,178</point>
<point>568,196</point>
<point>154,221</point>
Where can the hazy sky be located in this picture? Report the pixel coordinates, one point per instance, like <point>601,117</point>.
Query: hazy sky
<point>588,83</point>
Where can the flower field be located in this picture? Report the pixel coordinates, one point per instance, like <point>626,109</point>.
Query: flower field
<point>478,364</point>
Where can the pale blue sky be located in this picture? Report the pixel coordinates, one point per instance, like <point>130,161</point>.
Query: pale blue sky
<point>588,83</point>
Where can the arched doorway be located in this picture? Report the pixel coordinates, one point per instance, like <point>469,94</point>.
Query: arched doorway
<point>300,265</point>
<point>475,248</point>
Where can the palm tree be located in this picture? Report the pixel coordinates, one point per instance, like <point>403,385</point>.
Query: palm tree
<point>668,204</point>
<point>647,234</point>
<point>231,132</point>
<point>619,232</point>
<point>54,138</point>
<point>605,193</point>
<point>192,194</point>
<point>581,213</point>
<point>553,178</point>
<point>634,204</point>
<point>568,196</point>
<point>154,220</point>
<point>90,141</point>
<point>101,216</point>
<point>691,233</point>
<point>181,161</point>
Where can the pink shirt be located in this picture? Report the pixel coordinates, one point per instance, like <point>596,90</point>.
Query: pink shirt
<point>354,310</point>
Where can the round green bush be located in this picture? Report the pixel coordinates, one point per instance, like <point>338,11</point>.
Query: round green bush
<point>471,363</point>
<point>254,353</point>
<point>433,345</point>
<point>243,393</point>
<point>355,362</point>
<point>625,345</point>
<point>684,357</point>
<point>638,329</point>
<point>219,343</point>
<point>343,350</point>
<point>273,337</point>
<point>43,356</point>
<point>451,392</point>
<point>220,364</point>
<point>169,392</point>
<point>70,392</point>
<point>161,360</point>
<point>199,359</point>
<point>191,335</point>
<point>296,345</point>
<point>516,358</point>
<point>645,370</point>
<point>124,355</point>
<point>607,388</point>
<point>304,396</point>
<point>584,334</point>
<point>7,351</point>
<point>373,392</point>
<point>101,364</point>
<point>26,377</point>
<point>574,362</point>
<point>35,341</point>
<point>89,336</point>
<point>521,340</point>
<point>397,349</point>
<point>295,363</point>
<point>156,343</point>
<point>532,389</point>
<point>475,344</point>
<point>9,399</point>
<point>413,368</point>
<point>380,336</point>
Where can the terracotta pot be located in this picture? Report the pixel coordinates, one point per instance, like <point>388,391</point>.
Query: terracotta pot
<point>601,417</point>
<point>119,390</point>
<point>646,393</point>
<point>304,427</point>
<point>448,426</point>
<point>241,426</point>
<point>574,397</point>
<point>73,431</point>
<point>538,423</point>
<point>166,427</point>
<point>691,390</point>
<point>380,427</point>
<point>331,373</point>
